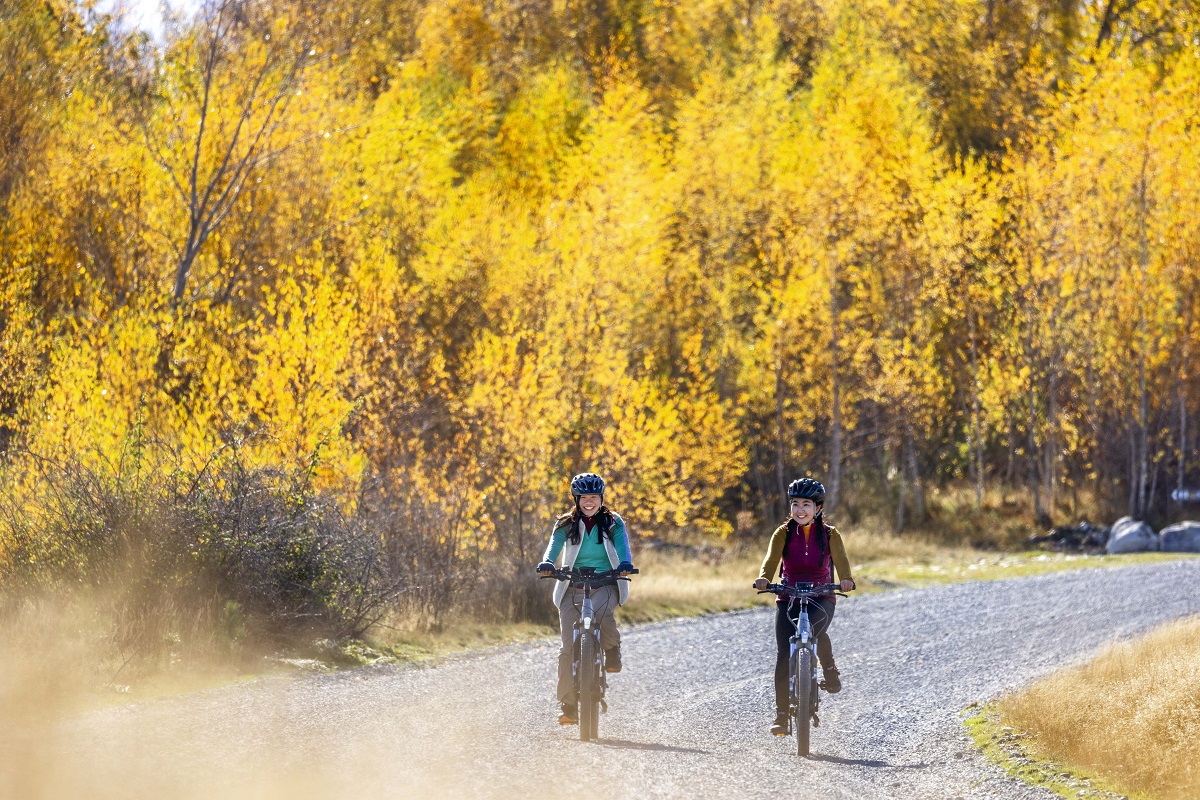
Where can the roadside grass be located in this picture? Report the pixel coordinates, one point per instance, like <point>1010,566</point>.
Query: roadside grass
<point>708,579</point>
<point>673,584</point>
<point>1130,717</point>
<point>1009,749</point>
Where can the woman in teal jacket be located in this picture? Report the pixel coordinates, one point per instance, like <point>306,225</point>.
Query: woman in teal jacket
<point>590,535</point>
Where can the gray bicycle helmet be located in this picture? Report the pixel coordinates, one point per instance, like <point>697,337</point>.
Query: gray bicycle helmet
<point>587,483</point>
<point>807,489</point>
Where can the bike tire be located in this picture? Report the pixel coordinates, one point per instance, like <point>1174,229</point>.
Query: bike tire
<point>589,688</point>
<point>803,707</point>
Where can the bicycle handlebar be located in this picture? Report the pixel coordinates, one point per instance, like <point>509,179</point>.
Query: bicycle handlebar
<point>587,575</point>
<point>802,589</point>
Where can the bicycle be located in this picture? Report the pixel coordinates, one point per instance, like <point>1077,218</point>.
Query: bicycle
<point>586,668</point>
<point>803,700</point>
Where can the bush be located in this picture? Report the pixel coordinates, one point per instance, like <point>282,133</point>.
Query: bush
<point>159,548</point>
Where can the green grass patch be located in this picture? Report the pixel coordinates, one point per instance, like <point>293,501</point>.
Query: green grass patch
<point>955,566</point>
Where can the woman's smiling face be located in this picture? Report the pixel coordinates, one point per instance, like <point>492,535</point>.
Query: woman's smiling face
<point>803,510</point>
<point>589,504</point>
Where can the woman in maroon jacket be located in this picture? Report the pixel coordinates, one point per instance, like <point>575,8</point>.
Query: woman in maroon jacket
<point>809,550</point>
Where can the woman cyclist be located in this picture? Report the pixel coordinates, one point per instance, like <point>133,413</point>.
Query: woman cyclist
<point>807,547</point>
<point>589,535</point>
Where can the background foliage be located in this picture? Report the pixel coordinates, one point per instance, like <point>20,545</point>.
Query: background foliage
<point>409,265</point>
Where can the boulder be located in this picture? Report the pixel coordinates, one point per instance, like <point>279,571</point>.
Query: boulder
<point>1129,535</point>
<point>1182,537</point>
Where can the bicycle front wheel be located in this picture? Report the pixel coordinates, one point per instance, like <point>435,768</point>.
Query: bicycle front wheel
<point>802,680</point>
<point>589,687</point>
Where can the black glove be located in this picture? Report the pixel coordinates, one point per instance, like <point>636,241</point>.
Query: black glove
<point>624,566</point>
<point>546,566</point>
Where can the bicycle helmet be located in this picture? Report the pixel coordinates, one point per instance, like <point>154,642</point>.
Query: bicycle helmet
<point>807,489</point>
<point>587,483</point>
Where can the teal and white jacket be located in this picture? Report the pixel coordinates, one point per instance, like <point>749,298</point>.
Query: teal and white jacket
<point>602,553</point>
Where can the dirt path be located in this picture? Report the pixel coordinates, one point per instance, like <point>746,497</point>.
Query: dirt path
<point>688,717</point>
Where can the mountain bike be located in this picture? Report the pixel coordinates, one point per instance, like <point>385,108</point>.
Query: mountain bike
<point>803,697</point>
<point>587,668</point>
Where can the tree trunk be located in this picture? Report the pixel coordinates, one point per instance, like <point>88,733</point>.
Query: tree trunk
<point>1012,453</point>
<point>1050,456</point>
<point>1133,509</point>
<point>1180,466</point>
<point>1031,456</point>
<point>1143,334</point>
<point>914,474</point>
<point>1149,507</point>
<point>521,514</point>
<point>835,456</point>
<point>1143,434</point>
<point>975,451</point>
<point>781,485</point>
<point>1098,459</point>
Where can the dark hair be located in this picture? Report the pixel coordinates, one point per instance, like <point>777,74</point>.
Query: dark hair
<point>570,520</point>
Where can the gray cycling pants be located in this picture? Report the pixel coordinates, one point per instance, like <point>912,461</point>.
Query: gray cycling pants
<point>604,604</point>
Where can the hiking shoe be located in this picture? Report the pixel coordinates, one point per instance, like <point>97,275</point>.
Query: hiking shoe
<point>780,725</point>
<point>612,659</point>
<point>833,680</point>
<point>569,715</point>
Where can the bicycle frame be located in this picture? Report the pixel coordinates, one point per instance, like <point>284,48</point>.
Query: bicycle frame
<point>802,689</point>
<point>802,638</point>
<point>587,628</point>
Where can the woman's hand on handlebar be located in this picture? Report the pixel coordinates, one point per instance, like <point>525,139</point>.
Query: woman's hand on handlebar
<point>545,568</point>
<point>761,584</point>
<point>848,585</point>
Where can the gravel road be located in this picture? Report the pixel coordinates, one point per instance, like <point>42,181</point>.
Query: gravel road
<point>688,717</point>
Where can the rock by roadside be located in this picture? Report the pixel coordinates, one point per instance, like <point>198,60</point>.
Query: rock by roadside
<point>1131,535</point>
<point>1182,537</point>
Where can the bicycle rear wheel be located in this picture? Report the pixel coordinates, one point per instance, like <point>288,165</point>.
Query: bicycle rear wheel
<point>589,687</point>
<point>802,676</point>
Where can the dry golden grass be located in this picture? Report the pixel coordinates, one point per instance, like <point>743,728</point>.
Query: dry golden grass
<point>715,579</point>
<point>1131,716</point>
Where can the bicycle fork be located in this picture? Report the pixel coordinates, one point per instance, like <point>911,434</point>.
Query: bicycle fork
<point>587,626</point>
<point>803,638</point>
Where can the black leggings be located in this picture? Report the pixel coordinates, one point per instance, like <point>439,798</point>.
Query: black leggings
<point>820,614</point>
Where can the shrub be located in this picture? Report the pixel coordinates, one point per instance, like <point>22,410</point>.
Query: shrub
<point>159,547</point>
